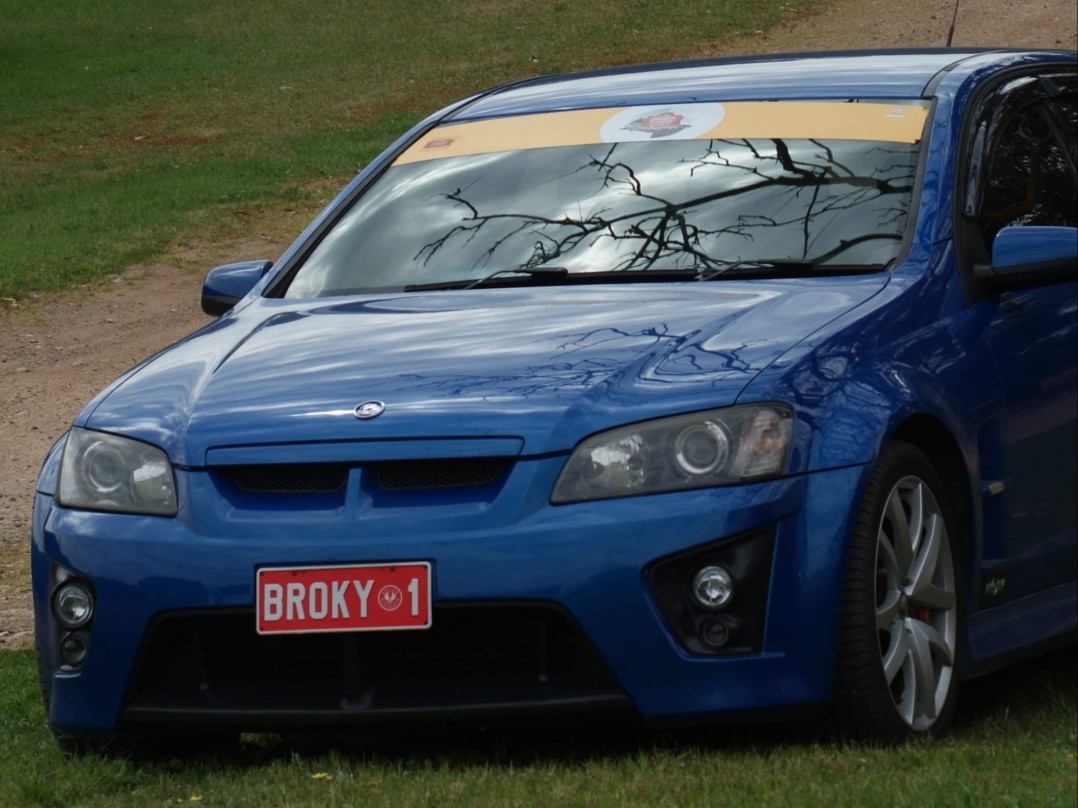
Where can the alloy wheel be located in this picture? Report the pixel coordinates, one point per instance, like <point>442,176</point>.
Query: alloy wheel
<point>916,602</point>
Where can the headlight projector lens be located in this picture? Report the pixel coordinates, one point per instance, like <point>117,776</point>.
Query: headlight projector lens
<point>104,467</point>
<point>702,449</point>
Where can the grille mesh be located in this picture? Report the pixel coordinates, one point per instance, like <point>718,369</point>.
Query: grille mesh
<point>492,645</point>
<point>397,475</point>
<point>410,475</point>
<point>308,478</point>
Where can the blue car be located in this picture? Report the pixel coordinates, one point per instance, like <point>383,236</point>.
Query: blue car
<point>713,391</point>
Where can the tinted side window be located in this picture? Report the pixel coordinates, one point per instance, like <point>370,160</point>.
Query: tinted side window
<point>1030,180</point>
<point>1068,112</point>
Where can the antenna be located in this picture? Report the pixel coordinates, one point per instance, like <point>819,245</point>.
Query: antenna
<point>954,19</point>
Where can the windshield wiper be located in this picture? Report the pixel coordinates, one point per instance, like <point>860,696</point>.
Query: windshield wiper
<point>747,268</point>
<point>544,273</point>
<point>534,273</point>
<point>783,268</point>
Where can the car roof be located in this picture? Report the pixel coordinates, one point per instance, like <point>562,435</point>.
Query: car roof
<point>892,74</point>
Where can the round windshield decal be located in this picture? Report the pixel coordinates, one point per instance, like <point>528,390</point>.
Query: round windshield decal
<point>671,122</point>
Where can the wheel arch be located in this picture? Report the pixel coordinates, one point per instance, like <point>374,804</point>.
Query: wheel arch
<point>932,437</point>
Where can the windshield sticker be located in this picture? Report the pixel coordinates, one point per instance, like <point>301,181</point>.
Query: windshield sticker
<point>682,122</point>
<point>885,122</point>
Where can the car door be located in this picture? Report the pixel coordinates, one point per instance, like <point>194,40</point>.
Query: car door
<point>1022,173</point>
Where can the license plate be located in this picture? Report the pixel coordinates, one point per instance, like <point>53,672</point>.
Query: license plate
<point>357,597</point>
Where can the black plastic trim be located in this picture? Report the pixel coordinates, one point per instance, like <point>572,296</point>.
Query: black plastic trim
<point>272,718</point>
<point>561,673</point>
<point>1024,277</point>
<point>748,557</point>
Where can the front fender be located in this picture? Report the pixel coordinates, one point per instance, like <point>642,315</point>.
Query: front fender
<point>851,423</point>
<point>855,382</point>
<point>50,468</point>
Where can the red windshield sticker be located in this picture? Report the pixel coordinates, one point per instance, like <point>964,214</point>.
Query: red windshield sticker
<point>666,123</point>
<point>441,143</point>
<point>680,122</point>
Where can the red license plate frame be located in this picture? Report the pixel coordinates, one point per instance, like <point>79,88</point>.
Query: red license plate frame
<point>324,599</point>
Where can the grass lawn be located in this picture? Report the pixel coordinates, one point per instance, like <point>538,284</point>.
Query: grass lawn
<point>125,125</point>
<point>1014,745</point>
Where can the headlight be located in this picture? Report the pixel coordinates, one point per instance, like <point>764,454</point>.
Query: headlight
<point>699,450</point>
<point>108,473</point>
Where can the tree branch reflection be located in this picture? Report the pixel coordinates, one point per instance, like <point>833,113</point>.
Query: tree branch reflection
<point>794,203</point>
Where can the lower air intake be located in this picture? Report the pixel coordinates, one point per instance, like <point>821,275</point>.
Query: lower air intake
<point>475,661</point>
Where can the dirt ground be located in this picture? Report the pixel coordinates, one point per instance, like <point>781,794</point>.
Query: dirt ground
<point>57,351</point>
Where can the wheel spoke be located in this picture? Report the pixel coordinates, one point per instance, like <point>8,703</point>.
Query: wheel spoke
<point>907,704</point>
<point>900,534</point>
<point>897,651</point>
<point>887,611</point>
<point>934,641</point>
<point>921,589</point>
<point>916,519</point>
<point>924,565</point>
<point>924,671</point>
<point>885,557</point>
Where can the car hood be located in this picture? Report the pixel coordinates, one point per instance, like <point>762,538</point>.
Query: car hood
<point>495,371</point>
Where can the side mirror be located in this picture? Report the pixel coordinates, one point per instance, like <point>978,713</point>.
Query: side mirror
<point>226,285</point>
<point>1031,256</point>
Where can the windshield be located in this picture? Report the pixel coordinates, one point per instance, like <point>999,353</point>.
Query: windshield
<point>830,187</point>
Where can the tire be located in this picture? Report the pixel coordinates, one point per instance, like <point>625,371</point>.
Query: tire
<point>900,624</point>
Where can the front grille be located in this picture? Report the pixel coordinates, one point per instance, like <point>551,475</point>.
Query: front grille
<point>291,478</point>
<point>413,474</point>
<point>213,665</point>
<point>397,475</point>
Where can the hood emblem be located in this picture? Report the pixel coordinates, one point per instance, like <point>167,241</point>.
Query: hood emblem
<point>369,409</point>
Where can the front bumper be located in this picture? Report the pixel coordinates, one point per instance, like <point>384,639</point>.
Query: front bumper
<point>587,560</point>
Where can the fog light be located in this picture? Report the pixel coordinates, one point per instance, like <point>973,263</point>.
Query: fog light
<point>73,649</point>
<point>73,605</point>
<point>715,632</point>
<point>712,587</point>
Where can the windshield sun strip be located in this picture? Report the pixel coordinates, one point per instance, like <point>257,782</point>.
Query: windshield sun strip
<point>887,122</point>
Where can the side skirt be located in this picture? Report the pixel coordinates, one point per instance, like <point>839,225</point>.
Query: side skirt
<point>1021,628</point>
